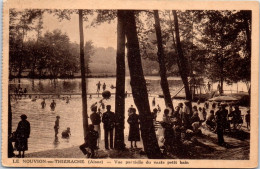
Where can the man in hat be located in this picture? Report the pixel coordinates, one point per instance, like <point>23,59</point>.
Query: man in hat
<point>221,120</point>
<point>22,135</point>
<point>96,120</point>
<point>108,119</point>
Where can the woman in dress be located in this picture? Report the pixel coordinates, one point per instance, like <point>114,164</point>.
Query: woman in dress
<point>22,135</point>
<point>134,132</point>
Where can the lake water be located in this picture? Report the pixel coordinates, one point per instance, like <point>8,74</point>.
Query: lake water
<point>42,120</point>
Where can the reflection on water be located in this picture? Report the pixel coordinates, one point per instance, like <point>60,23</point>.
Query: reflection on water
<point>56,142</point>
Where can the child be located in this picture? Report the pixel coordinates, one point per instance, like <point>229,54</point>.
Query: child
<point>53,105</point>
<point>90,142</point>
<point>66,133</point>
<point>248,119</point>
<point>43,103</point>
<point>57,125</point>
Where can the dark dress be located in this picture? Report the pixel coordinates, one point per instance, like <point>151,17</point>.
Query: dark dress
<point>22,135</point>
<point>134,132</point>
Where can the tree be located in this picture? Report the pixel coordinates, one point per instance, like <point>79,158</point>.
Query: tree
<point>161,60</point>
<point>120,82</point>
<point>139,89</point>
<point>227,40</point>
<point>181,60</point>
<point>83,78</point>
<point>88,52</point>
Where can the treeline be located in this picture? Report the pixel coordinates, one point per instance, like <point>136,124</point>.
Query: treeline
<point>50,55</point>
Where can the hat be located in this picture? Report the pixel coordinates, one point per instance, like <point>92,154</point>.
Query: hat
<point>57,116</point>
<point>223,104</point>
<point>23,116</point>
<point>108,106</point>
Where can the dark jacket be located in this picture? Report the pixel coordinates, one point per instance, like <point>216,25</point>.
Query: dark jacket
<point>23,129</point>
<point>108,119</point>
<point>91,139</point>
<point>95,119</point>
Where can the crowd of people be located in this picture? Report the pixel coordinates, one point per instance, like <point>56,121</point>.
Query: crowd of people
<point>186,122</point>
<point>181,123</point>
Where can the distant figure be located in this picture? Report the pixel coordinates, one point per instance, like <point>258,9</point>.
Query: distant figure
<point>96,120</point>
<point>153,102</point>
<point>248,119</point>
<point>20,92</point>
<point>125,94</point>
<point>209,86</point>
<point>221,120</point>
<point>90,142</point>
<point>130,110</point>
<point>57,125</point>
<point>43,103</point>
<point>166,117</point>
<point>102,105</point>
<point>181,108</point>
<point>66,133</point>
<point>104,86</point>
<point>201,116</point>
<point>134,132</point>
<point>67,100</point>
<point>22,135</point>
<point>159,108</point>
<point>154,113</point>
<point>109,123</point>
<point>206,105</point>
<point>53,105</point>
<point>186,116</point>
<point>219,89</point>
<point>90,96</point>
<point>25,92</point>
<point>98,86</point>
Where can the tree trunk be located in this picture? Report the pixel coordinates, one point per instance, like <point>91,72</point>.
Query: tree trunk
<point>83,78</point>
<point>139,89</point>
<point>183,68</point>
<point>161,56</point>
<point>120,82</point>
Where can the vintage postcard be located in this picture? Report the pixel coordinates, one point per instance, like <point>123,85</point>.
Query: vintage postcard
<point>154,84</point>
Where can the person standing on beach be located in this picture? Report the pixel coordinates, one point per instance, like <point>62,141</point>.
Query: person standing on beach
<point>108,119</point>
<point>248,119</point>
<point>96,120</point>
<point>98,86</point>
<point>104,86</point>
<point>53,105</point>
<point>134,132</point>
<point>22,135</point>
<point>43,103</point>
<point>57,125</point>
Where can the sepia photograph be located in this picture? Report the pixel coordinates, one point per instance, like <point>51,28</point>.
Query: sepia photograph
<point>167,84</point>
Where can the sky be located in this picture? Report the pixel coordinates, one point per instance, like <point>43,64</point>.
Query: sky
<point>103,35</point>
